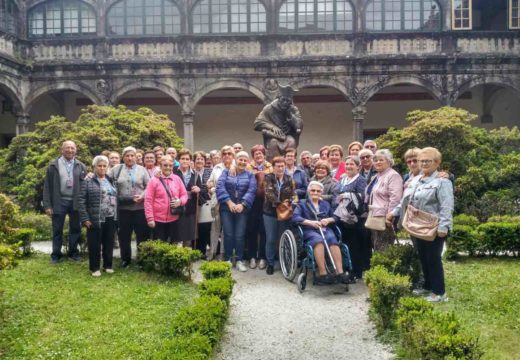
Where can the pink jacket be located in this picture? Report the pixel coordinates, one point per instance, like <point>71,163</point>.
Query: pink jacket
<point>156,201</point>
<point>387,192</point>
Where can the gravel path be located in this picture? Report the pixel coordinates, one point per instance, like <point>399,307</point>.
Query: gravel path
<point>270,319</point>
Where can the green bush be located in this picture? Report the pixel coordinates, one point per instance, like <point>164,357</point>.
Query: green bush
<point>41,223</point>
<point>206,316</point>
<point>399,259</point>
<point>24,238</point>
<point>166,258</point>
<point>385,291</point>
<point>504,219</point>
<point>190,347</point>
<point>9,255</point>
<point>464,219</point>
<point>221,287</point>
<point>428,334</point>
<point>463,238</point>
<point>8,213</point>
<point>500,238</point>
<point>215,269</point>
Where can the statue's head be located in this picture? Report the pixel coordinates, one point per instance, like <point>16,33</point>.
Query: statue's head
<point>286,96</point>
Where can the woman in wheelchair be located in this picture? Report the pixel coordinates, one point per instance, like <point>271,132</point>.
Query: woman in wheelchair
<point>314,215</point>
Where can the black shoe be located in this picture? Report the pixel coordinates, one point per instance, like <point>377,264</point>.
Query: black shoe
<point>75,258</point>
<point>346,279</point>
<point>55,261</point>
<point>270,270</point>
<point>325,279</point>
<point>125,264</point>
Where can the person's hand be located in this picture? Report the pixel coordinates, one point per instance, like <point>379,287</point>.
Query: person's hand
<point>231,205</point>
<point>239,208</point>
<point>151,224</point>
<point>324,222</point>
<point>314,224</point>
<point>87,224</point>
<point>389,218</point>
<point>138,198</point>
<point>176,203</point>
<point>195,189</point>
<point>157,173</point>
<point>49,212</point>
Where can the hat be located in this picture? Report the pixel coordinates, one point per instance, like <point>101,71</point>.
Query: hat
<point>287,91</point>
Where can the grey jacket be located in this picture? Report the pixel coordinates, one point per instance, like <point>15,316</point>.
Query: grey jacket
<point>433,195</point>
<point>90,202</point>
<point>127,187</point>
<point>51,185</point>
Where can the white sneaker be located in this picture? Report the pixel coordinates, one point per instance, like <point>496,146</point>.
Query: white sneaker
<point>96,273</point>
<point>420,292</point>
<point>109,271</point>
<point>241,267</point>
<point>252,263</point>
<point>433,298</point>
<point>262,265</point>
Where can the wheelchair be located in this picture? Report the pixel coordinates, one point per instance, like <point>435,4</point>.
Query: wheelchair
<point>296,258</point>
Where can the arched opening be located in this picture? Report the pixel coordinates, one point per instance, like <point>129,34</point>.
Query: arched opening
<point>327,117</point>
<point>225,116</point>
<point>155,99</point>
<point>9,106</point>
<point>495,105</point>
<point>388,107</point>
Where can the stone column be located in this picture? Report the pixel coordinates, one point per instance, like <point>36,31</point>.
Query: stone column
<point>22,124</point>
<point>187,121</point>
<point>358,116</point>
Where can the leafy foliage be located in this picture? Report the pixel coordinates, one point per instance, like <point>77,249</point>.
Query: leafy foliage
<point>215,269</point>
<point>221,287</point>
<point>24,162</point>
<point>166,258</point>
<point>399,259</point>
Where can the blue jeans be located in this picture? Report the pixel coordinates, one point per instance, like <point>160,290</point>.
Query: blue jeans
<point>273,231</point>
<point>58,220</point>
<point>234,226</point>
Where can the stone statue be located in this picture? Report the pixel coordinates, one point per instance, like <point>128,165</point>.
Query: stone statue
<point>280,123</point>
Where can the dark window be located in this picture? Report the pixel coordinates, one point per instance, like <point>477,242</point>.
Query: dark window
<point>8,16</point>
<point>62,17</point>
<point>144,17</point>
<point>514,14</point>
<point>403,15</point>
<point>316,16</point>
<point>228,16</point>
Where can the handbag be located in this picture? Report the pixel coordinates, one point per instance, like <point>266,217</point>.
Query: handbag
<point>419,223</point>
<point>179,210</point>
<point>374,222</point>
<point>284,211</point>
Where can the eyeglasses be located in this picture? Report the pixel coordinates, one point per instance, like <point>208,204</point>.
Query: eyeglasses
<point>370,146</point>
<point>320,168</point>
<point>426,162</point>
<point>227,153</point>
<point>315,191</point>
<point>411,161</point>
<point>365,157</point>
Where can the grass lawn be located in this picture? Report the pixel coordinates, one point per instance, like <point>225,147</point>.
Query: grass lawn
<point>485,295</point>
<point>62,312</point>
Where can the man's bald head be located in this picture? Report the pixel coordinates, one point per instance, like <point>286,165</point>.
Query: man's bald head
<point>68,149</point>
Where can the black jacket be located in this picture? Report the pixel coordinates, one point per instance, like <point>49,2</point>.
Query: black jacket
<point>195,180</point>
<point>51,186</point>
<point>272,199</point>
<point>90,201</point>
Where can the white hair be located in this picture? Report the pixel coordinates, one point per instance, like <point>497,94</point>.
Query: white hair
<point>128,149</point>
<point>242,154</point>
<point>305,152</point>
<point>315,183</point>
<point>365,152</point>
<point>386,154</point>
<point>98,159</point>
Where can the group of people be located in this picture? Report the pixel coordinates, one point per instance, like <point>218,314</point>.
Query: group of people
<point>235,204</point>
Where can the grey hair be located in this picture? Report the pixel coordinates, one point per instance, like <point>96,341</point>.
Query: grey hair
<point>354,158</point>
<point>365,152</point>
<point>212,153</point>
<point>242,154</point>
<point>315,183</point>
<point>98,159</point>
<point>386,154</point>
<point>305,152</point>
<point>128,149</point>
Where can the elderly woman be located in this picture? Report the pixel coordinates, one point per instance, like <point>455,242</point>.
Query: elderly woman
<point>367,166</point>
<point>236,193</point>
<point>131,180</point>
<point>185,231</point>
<point>330,185</point>
<point>149,163</point>
<point>354,148</point>
<point>204,216</point>
<point>432,194</point>
<point>255,230</point>
<point>278,188</point>
<point>351,194</point>
<point>113,159</point>
<point>412,161</point>
<point>98,213</point>
<point>382,195</point>
<point>314,214</point>
<point>324,152</point>
<point>164,192</point>
<point>306,163</point>
<point>337,166</point>
<point>298,175</point>
<point>139,154</point>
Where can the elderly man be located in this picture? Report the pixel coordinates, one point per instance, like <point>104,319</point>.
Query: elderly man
<point>61,190</point>
<point>280,123</point>
<point>237,147</point>
<point>306,163</point>
<point>173,153</point>
<point>370,145</point>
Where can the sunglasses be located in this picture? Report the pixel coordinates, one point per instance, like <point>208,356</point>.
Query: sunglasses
<point>365,157</point>
<point>227,153</point>
<point>411,161</point>
<point>315,191</point>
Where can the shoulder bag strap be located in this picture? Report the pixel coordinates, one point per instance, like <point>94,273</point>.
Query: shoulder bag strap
<point>119,172</point>
<point>165,188</point>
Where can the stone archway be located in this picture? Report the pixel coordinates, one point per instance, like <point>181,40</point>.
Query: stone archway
<point>44,90</point>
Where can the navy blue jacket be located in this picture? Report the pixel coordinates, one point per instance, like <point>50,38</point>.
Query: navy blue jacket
<point>239,189</point>
<point>303,211</point>
<point>302,181</point>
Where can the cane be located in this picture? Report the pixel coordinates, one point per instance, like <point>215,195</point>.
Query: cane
<point>328,250</point>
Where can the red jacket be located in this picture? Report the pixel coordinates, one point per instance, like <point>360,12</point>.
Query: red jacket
<point>341,170</point>
<point>157,202</point>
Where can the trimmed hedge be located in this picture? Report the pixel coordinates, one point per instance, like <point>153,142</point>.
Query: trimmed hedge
<point>215,269</point>
<point>428,334</point>
<point>9,255</point>
<point>41,223</point>
<point>463,239</point>
<point>221,287</point>
<point>385,291</point>
<point>463,219</point>
<point>192,347</point>
<point>399,259</point>
<point>166,258</point>
<point>499,238</point>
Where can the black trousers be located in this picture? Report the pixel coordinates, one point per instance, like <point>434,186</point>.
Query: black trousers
<point>367,245</point>
<point>164,231</point>
<point>431,263</point>
<point>58,221</point>
<point>203,240</point>
<point>131,221</point>
<point>353,237</point>
<point>101,241</point>
<point>255,231</point>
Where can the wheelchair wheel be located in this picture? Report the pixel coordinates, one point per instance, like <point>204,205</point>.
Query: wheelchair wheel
<point>302,282</point>
<point>288,255</point>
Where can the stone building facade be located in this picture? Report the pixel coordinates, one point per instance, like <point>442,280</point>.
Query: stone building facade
<point>357,63</point>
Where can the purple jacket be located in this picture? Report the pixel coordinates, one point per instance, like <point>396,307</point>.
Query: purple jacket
<point>386,193</point>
